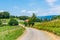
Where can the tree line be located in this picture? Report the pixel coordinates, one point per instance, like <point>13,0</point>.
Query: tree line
<point>4,14</point>
<point>7,15</point>
<point>32,19</point>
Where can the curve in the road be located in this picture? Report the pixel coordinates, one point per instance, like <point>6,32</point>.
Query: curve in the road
<point>33,34</point>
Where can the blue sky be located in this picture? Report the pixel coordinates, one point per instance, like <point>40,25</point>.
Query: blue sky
<point>27,7</point>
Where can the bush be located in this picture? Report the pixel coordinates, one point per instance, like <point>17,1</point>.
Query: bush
<point>13,22</point>
<point>25,23</point>
<point>0,22</point>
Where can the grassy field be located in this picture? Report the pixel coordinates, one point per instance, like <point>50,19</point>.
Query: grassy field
<point>10,32</point>
<point>21,22</point>
<point>52,26</point>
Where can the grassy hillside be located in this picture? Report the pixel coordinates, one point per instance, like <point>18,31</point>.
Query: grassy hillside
<point>10,32</point>
<point>52,26</point>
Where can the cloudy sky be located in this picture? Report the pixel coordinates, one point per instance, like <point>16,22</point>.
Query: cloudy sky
<point>27,7</point>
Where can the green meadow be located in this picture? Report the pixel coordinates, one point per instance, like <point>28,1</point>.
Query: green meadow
<point>10,32</point>
<point>51,26</point>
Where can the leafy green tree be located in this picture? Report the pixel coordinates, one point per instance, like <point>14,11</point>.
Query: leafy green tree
<point>13,22</point>
<point>35,19</point>
<point>32,19</point>
<point>23,17</point>
<point>4,14</point>
<point>12,16</point>
<point>45,19</point>
<point>38,20</point>
<point>25,23</point>
<point>55,17</point>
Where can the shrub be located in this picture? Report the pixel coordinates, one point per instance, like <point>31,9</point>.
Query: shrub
<point>25,23</point>
<point>0,22</point>
<point>13,22</point>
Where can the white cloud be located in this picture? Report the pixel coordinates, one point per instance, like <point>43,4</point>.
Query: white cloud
<point>32,11</point>
<point>51,11</point>
<point>55,10</point>
<point>1,10</point>
<point>23,11</point>
<point>39,12</point>
<point>51,2</point>
<point>29,12</point>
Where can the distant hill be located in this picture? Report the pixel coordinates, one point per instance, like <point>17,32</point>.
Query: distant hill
<point>48,17</point>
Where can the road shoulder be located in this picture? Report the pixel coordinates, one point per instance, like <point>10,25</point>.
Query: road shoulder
<point>55,37</point>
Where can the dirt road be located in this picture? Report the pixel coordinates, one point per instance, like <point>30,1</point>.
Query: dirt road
<point>34,34</point>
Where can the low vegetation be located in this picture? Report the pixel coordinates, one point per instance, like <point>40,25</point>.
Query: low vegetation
<point>9,27</point>
<point>10,32</point>
<point>52,26</point>
<point>0,22</point>
<point>13,22</point>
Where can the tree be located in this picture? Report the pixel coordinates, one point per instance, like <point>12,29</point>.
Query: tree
<point>45,19</point>
<point>56,17</point>
<point>33,17</point>
<point>32,20</point>
<point>25,23</point>
<point>38,20</point>
<point>12,16</point>
<point>13,22</point>
<point>23,17</point>
<point>4,14</point>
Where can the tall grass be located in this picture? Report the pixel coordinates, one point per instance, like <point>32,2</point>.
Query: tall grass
<point>52,26</point>
<point>10,33</point>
